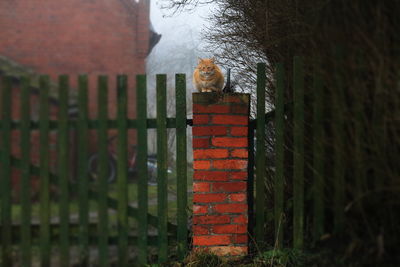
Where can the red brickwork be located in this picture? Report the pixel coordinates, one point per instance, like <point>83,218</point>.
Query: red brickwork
<point>220,130</point>
<point>78,37</point>
<point>75,37</point>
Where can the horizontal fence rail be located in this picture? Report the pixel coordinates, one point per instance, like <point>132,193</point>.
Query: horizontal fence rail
<point>94,124</point>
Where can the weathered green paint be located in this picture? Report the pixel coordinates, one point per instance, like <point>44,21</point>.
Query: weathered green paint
<point>338,104</point>
<point>122,171</point>
<point>162,175</point>
<point>63,169</point>
<point>5,173</point>
<point>94,124</point>
<point>26,240</point>
<point>298,154</point>
<point>379,132</point>
<point>44,179</point>
<point>318,157</point>
<point>141,107</point>
<point>74,238</point>
<point>279,154</point>
<point>359,148</point>
<point>103,170</point>
<point>83,179</point>
<point>260,154</point>
<point>181,164</point>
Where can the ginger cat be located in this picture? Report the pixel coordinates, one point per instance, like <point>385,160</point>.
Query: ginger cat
<point>207,77</point>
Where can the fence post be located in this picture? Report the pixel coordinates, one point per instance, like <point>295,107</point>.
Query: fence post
<point>220,152</point>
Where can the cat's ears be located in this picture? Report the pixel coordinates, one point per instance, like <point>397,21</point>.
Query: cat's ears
<point>211,59</point>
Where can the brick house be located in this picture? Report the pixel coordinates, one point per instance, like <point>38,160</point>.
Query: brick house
<point>75,37</point>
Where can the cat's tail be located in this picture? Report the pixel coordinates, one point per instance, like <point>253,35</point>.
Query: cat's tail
<point>228,88</point>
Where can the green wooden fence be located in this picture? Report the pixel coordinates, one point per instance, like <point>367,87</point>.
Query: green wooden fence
<point>298,206</point>
<point>275,173</point>
<point>307,182</point>
<point>54,234</point>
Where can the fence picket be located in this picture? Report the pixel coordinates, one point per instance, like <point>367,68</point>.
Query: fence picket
<point>260,154</point>
<point>141,106</point>
<point>279,156</point>
<point>339,143</point>
<point>318,157</point>
<point>83,179</point>
<point>359,152</point>
<point>5,173</point>
<point>181,164</point>
<point>122,171</point>
<point>162,176</point>
<point>63,174</point>
<point>298,153</point>
<point>25,175</point>
<point>103,170</point>
<point>44,176</point>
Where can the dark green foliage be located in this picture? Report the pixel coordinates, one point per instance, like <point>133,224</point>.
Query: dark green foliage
<point>353,47</point>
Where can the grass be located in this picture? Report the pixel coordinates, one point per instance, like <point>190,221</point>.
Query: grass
<point>132,196</point>
<point>269,258</point>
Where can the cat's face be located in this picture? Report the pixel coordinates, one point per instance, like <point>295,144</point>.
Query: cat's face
<point>206,66</point>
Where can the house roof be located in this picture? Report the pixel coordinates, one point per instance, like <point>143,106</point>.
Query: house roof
<point>10,68</point>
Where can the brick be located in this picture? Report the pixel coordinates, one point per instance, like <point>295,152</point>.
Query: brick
<point>230,229</point>
<point>209,130</point>
<point>201,164</point>
<point>197,209</point>
<point>230,119</point>
<point>240,153</point>
<point>229,142</point>
<point>198,108</point>
<point>239,109</point>
<point>211,219</point>
<point>201,142</point>
<point>229,250</point>
<point>234,164</point>
<point>211,175</point>
<point>210,153</point>
<point>230,208</point>
<point>208,198</point>
<point>200,230</point>
<point>229,187</point>
<point>239,131</point>
<point>201,187</point>
<point>241,197</point>
<point>238,175</point>
<point>240,98</point>
<point>201,119</point>
<point>210,240</point>
<point>240,219</point>
<point>240,239</point>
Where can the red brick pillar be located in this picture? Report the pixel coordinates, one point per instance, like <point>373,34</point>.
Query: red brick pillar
<point>220,130</point>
